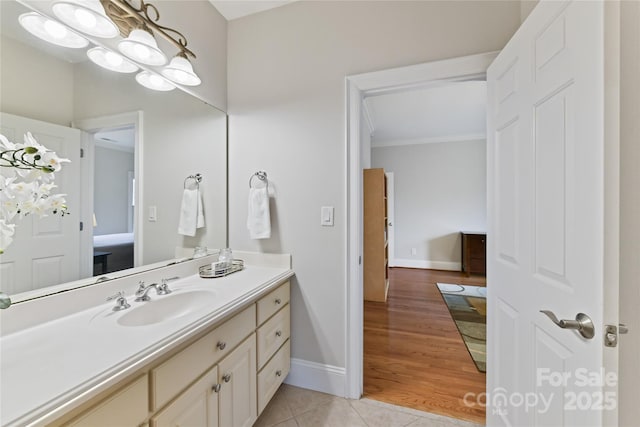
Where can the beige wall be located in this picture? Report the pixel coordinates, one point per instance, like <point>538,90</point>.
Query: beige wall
<point>526,6</point>
<point>286,98</point>
<point>439,190</point>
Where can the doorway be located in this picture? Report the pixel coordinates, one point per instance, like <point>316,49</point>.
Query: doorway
<point>113,149</point>
<point>434,140</point>
<point>358,87</point>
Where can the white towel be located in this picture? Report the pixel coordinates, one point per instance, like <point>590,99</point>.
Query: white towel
<point>191,212</point>
<point>259,219</point>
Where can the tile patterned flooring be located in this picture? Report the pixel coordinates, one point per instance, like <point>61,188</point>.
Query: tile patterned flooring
<point>298,407</point>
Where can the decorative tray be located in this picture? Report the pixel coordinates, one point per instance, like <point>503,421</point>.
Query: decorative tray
<point>217,269</point>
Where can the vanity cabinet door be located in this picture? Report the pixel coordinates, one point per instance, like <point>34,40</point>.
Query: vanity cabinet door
<point>125,407</point>
<point>237,377</point>
<point>196,407</point>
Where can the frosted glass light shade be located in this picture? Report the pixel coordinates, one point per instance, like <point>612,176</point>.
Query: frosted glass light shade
<point>86,16</point>
<point>181,71</point>
<point>111,60</point>
<point>51,31</point>
<point>142,47</point>
<point>154,81</point>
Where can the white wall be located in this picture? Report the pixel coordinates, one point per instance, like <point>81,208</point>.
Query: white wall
<point>48,95</point>
<point>111,189</point>
<point>440,190</point>
<point>286,98</point>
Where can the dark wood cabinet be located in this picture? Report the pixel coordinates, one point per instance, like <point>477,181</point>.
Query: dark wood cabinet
<point>474,253</point>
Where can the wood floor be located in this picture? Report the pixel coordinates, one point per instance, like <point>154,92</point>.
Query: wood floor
<point>413,353</point>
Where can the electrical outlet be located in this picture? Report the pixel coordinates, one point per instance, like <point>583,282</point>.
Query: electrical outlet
<point>414,251</point>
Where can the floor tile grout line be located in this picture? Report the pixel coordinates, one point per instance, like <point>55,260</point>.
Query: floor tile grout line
<point>357,412</point>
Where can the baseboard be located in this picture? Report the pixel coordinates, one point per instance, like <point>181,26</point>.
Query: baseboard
<point>433,265</point>
<point>317,376</point>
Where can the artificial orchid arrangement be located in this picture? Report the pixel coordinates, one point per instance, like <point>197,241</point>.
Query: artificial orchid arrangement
<point>27,173</point>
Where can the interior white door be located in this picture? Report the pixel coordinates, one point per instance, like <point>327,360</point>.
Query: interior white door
<point>548,221</point>
<point>391,220</point>
<point>45,251</point>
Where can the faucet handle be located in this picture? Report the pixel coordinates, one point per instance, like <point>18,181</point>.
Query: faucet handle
<point>121,301</point>
<point>163,289</point>
<point>141,288</point>
<point>170,279</point>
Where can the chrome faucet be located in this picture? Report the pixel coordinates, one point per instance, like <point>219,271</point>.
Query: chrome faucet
<point>143,290</point>
<point>161,289</point>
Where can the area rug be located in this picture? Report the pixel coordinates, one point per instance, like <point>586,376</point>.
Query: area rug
<point>468,307</point>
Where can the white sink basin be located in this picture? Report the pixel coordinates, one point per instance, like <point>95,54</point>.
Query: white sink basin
<point>167,307</point>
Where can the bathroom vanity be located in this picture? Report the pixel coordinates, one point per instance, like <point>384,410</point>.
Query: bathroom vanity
<point>212,352</point>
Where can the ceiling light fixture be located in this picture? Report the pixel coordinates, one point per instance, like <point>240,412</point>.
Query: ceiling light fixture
<point>136,21</point>
<point>142,47</point>
<point>51,31</point>
<point>180,71</point>
<point>111,60</point>
<point>86,16</point>
<point>154,81</point>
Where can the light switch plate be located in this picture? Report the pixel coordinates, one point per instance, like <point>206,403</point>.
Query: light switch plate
<point>153,213</point>
<point>326,216</point>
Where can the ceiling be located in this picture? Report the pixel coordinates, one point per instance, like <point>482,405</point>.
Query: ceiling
<point>233,9</point>
<point>452,111</point>
<point>123,139</point>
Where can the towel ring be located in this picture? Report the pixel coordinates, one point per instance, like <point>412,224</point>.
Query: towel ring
<point>197,178</point>
<point>262,176</point>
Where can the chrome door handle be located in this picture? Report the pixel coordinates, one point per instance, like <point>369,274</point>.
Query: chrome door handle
<point>582,324</point>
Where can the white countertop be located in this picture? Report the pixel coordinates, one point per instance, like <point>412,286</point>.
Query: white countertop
<point>48,369</point>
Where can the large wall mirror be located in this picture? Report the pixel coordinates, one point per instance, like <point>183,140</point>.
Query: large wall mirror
<point>124,192</point>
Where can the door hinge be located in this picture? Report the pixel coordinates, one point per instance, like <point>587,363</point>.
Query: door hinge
<point>611,334</point>
<point>82,153</point>
<point>81,225</point>
<point>360,260</point>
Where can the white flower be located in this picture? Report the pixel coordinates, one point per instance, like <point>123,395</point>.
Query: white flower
<point>6,234</point>
<point>26,183</point>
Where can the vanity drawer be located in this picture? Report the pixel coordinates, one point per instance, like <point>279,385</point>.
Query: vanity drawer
<point>174,375</point>
<point>272,334</point>
<point>126,407</point>
<point>272,375</point>
<point>274,301</point>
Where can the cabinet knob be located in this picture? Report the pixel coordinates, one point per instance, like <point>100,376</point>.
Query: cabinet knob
<point>278,301</point>
<point>221,345</point>
<point>216,388</point>
<point>278,333</point>
<point>278,373</point>
<point>226,378</point>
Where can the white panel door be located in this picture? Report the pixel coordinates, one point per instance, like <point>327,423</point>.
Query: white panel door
<point>546,251</point>
<point>45,251</point>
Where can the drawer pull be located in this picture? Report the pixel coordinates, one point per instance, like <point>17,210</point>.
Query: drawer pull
<point>278,333</point>
<point>278,301</point>
<point>278,373</point>
<point>226,378</point>
<point>216,388</point>
<point>221,345</point>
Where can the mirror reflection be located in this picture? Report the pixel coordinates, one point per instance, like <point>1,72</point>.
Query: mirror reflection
<point>131,150</point>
